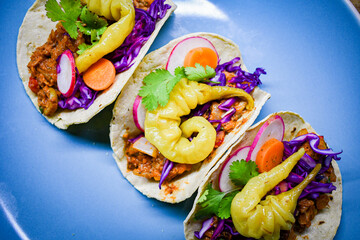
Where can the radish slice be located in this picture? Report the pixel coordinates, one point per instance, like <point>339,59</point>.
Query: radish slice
<point>274,127</point>
<point>139,113</point>
<point>178,54</point>
<point>225,184</point>
<point>66,73</point>
<point>144,146</point>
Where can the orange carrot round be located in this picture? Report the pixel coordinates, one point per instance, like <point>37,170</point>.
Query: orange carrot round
<point>202,55</point>
<point>100,75</point>
<point>270,155</point>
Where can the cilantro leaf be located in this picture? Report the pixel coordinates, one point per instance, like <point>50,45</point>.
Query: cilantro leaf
<point>159,84</point>
<point>68,12</point>
<point>209,201</point>
<point>225,204</point>
<point>241,172</point>
<point>203,197</point>
<point>92,20</point>
<point>157,87</point>
<point>199,73</point>
<point>82,48</point>
<point>91,24</point>
<point>96,34</point>
<point>180,71</point>
<point>54,11</point>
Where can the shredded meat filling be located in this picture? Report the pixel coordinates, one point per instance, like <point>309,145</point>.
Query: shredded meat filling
<point>143,4</point>
<point>308,208</point>
<point>42,66</point>
<point>146,166</point>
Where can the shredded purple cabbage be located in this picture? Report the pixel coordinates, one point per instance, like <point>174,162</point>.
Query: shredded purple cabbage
<point>306,164</point>
<point>219,228</point>
<point>314,140</point>
<point>225,106</point>
<point>312,188</point>
<point>206,225</point>
<point>82,96</point>
<point>201,110</point>
<point>244,80</point>
<point>168,165</point>
<point>145,22</point>
<point>229,228</point>
<point>223,225</point>
<point>158,9</point>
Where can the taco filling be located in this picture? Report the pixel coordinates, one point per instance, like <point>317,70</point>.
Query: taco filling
<point>87,31</point>
<point>274,196</point>
<point>223,114</point>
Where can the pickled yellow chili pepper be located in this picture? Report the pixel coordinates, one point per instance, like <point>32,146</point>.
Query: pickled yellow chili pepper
<point>121,11</point>
<point>163,129</point>
<point>255,218</point>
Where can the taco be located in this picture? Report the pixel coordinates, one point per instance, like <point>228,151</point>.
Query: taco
<point>165,151</point>
<point>299,196</point>
<point>59,43</point>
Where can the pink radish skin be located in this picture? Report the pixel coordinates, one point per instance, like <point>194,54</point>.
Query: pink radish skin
<point>225,183</point>
<point>66,73</point>
<point>274,127</point>
<point>178,53</point>
<point>139,113</point>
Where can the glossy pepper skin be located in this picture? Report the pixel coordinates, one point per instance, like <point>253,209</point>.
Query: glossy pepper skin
<point>264,219</point>
<point>121,11</point>
<point>163,129</point>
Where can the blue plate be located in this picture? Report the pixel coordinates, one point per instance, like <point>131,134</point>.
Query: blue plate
<point>57,184</point>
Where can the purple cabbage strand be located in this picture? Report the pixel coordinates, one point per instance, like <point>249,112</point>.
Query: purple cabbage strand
<point>206,225</point>
<point>168,165</point>
<point>145,22</point>
<point>82,96</point>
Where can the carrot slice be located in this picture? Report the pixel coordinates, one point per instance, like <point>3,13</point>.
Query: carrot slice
<point>100,75</point>
<point>202,55</point>
<point>270,155</point>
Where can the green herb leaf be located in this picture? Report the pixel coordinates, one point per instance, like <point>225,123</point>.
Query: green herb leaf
<point>91,20</point>
<point>198,73</point>
<point>209,201</point>
<point>68,12</point>
<point>157,87</point>
<point>241,172</point>
<point>225,205</point>
<point>159,84</point>
<point>82,47</point>
<point>180,71</point>
<point>92,25</point>
<point>96,34</point>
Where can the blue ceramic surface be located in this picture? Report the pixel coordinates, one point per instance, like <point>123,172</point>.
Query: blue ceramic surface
<point>57,184</point>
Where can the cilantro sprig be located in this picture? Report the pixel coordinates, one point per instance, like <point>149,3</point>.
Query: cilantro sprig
<point>213,202</point>
<point>210,201</point>
<point>199,72</point>
<point>74,16</point>
<point>242,171</point>
<point>159,83</point>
